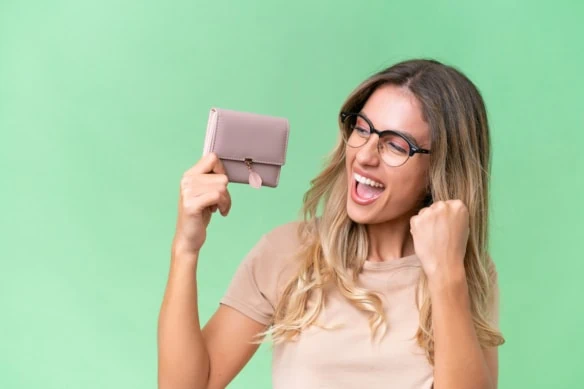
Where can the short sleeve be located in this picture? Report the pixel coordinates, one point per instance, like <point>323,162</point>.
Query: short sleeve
<point>259,278</point>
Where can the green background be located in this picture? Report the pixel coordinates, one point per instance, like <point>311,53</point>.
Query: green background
<point>104,104</point>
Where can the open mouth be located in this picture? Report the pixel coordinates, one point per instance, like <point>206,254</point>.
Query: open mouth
<point>365,191</point>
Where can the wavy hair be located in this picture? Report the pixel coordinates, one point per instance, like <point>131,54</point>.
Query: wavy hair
<point>335,248</point>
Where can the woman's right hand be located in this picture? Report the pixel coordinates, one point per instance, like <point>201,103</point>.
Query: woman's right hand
<point>203,190</point>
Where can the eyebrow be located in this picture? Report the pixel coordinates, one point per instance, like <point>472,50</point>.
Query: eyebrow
<point>405,134</point>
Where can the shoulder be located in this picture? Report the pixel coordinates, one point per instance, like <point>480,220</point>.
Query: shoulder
<point>273,260</point>
<point>276,248</point>
<point>285,236</point>
<point>264,273</point>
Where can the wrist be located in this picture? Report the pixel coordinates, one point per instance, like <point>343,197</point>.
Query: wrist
<point>183,255</point>
<point>184,247</point>
<point>452,279</point>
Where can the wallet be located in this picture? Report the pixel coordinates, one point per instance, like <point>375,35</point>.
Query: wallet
<point>251,146</point>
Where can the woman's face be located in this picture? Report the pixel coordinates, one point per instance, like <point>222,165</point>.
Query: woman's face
<point>402,188</point>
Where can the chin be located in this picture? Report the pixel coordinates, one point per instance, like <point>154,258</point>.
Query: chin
<point>358,217</point>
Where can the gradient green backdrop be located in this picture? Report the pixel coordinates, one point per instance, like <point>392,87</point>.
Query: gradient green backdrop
<point>103,105</point>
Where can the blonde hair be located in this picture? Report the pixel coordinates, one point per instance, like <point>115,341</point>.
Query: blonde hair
<point>336,248</point>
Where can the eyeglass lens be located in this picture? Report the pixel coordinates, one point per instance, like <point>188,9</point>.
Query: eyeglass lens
<point>393,149</point>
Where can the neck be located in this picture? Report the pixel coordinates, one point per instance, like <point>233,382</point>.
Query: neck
<point>390,240</point>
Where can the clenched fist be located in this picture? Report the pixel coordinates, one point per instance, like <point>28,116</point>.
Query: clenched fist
<point>440,234</point>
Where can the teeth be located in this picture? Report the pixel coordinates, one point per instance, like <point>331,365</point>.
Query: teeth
<point>367,181</point>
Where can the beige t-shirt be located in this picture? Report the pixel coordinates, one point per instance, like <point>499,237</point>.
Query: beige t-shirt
<point>339,358</point>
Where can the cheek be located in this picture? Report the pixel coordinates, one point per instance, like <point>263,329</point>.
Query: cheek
<point>405,185</point>
<point>349,158</point>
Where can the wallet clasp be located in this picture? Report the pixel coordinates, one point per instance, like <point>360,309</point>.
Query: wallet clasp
<point>255,180</point>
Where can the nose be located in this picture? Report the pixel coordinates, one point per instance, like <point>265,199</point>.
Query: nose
<point>368,154</point>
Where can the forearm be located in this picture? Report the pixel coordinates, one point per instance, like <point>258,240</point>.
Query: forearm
<point>183,361</point>
<point>459,359</point>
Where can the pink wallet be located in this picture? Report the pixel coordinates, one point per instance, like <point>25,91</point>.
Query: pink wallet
<point>251,146</point>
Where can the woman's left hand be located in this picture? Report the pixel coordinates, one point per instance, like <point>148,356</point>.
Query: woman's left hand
<point>440,234</point>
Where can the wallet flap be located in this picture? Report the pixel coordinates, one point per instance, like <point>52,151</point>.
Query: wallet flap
<point>238,135</point>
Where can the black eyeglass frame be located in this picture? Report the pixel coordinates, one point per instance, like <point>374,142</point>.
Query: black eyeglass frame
<point>413,148</point>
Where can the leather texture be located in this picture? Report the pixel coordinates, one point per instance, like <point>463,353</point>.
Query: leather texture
<point>237,136</point>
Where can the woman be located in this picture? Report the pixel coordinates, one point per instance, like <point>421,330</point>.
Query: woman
<point>390,286</point>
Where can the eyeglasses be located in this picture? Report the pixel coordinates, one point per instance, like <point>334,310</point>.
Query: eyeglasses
<point>395,148</point>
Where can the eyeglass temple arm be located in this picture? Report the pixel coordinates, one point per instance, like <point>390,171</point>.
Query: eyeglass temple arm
<point>419,150</point>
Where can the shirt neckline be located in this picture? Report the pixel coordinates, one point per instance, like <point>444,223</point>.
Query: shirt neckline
<point>410,260</point>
